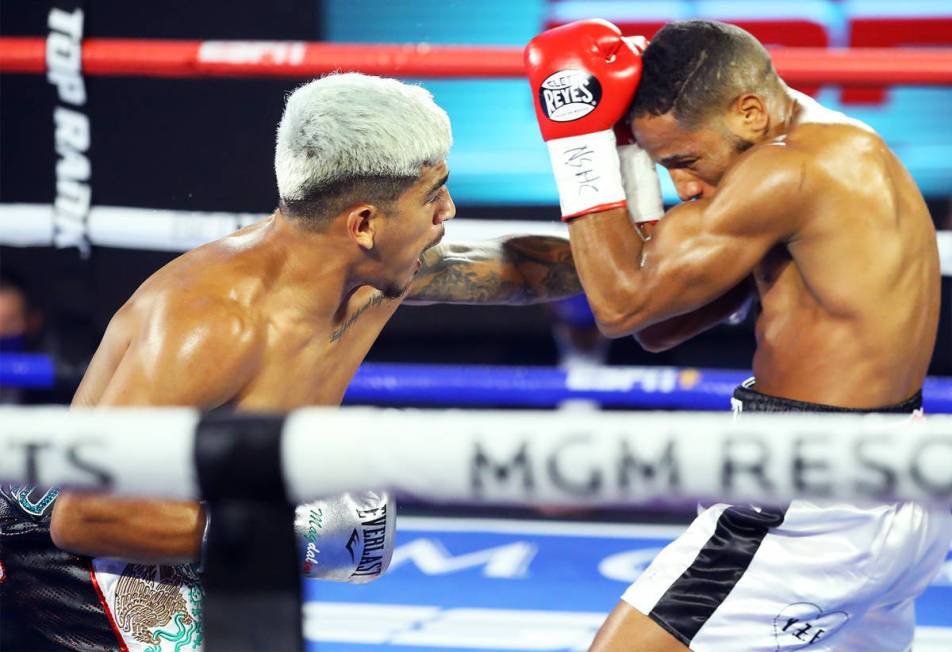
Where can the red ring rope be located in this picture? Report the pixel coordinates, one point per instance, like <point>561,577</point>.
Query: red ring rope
<point>154,58</point>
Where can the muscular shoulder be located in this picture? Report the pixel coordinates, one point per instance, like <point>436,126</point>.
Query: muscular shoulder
<point>189,318</point>
<point>179,324</point>
<point>835,148</point>
<point>818,137</point>
<point>187,350</point>
<point>765,192</point>
<point>200,289</point>
<point>776,166</point>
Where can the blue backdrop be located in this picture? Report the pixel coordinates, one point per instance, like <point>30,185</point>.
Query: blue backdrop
<point>499,157</point>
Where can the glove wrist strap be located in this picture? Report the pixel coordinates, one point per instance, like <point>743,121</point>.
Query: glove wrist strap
<point>587,173</point>
<point>641,184</point>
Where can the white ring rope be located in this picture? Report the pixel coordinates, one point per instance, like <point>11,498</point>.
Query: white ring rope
<point>500,457</point>
<point>30,225</point>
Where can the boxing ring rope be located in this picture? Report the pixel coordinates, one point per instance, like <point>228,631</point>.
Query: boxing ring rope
<point>28,225</point>
<point>483,458</point>
<point>515,458</point>
<point>32,225</point>
<point>189,59</point>
<point>408,384</point>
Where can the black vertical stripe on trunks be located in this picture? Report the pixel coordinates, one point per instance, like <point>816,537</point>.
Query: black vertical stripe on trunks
<point>693,597</point>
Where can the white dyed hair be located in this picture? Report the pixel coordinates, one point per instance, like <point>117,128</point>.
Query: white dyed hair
<point>351,125</point>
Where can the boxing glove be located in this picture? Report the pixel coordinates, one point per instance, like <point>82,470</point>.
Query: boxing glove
<point>639,176</point>
<point>583,77</point>
<point>347,538</point>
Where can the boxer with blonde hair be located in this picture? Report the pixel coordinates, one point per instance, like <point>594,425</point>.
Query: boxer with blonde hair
<point>276,316</point>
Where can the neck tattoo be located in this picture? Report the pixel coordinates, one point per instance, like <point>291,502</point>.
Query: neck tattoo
<point>338,333</point>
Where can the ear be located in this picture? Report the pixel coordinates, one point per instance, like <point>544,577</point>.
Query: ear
<point>750,114</point>
<point>361,225</point>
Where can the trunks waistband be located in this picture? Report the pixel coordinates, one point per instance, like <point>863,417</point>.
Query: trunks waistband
<point>747,399</point>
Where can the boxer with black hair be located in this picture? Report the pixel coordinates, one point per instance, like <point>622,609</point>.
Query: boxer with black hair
<point>821,215</point>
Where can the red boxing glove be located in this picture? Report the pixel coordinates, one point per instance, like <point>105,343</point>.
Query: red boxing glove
<point>583,77</point>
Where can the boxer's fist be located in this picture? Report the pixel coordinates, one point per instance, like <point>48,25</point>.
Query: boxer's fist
<point>583,77</point>
<point>348,537</point>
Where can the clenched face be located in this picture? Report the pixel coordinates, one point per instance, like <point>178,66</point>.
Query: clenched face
<point>695,159</point>
<point>414,225</point>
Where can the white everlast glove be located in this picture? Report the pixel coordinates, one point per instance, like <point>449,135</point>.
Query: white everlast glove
<point>347,538</point>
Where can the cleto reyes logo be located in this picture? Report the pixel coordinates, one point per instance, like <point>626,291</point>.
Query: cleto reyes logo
<point>568,95</point>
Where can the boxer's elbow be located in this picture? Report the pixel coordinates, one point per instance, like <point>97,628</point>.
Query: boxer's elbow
<point>77,522</point>
<point>654,341</point>
<point>615,324</point>
<point>662,336</point>
<point>620,313</point>
<point>613,329</point>
<point>68,527</point>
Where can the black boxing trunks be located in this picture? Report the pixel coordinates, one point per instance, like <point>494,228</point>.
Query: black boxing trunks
<point>747,399</point>
<point>47,597</point>
<point>51,599</point>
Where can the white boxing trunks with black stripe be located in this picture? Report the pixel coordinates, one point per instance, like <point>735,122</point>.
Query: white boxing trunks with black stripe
<point>815,575</point>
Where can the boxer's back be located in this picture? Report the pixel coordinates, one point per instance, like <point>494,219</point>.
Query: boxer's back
<point>221,319</point>
<point>850,304</point>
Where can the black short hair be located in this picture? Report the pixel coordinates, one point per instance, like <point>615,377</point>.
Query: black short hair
<point>316,210</point>
<point>696,67</point>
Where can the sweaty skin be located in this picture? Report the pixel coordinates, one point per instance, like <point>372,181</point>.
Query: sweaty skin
<point>832,230</point>
<point>830,226</point>
<point>275,317</point>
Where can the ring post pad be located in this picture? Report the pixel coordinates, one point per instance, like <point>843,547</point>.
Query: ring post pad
<point>252,573</point>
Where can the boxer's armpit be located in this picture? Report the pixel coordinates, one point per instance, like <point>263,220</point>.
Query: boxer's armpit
<point>515,270</point>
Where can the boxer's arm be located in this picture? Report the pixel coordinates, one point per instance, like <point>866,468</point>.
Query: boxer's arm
<point>699,251</point>
<point>672,332</point>
<point>167,364</point>
<point>514,270</point>
<point>134,530</point>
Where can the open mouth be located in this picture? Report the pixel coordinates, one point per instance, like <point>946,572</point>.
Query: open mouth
<point>437,241</point>
<point>419,262</point>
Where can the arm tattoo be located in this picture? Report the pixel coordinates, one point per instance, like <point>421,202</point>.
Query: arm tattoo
<point>338,333</point>
<point>518,270</point>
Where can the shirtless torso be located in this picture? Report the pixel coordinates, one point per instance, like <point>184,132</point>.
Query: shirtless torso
<point>237,322</point>
<point>842,254</point>
<point>831,228</point>
<point>222,324</point>
<point>267,319</point>
<point>850,302</point>
<point>216,327</point>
